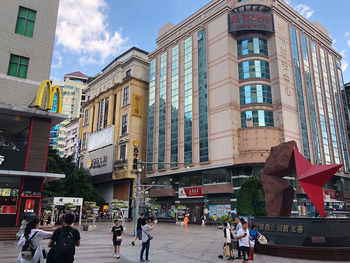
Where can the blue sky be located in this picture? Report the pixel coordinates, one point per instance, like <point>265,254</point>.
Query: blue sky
<point>91,33</point>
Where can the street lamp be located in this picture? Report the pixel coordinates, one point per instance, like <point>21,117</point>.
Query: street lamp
<point>138,184</point>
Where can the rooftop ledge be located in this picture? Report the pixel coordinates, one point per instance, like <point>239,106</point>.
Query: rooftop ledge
<point>24,111</point>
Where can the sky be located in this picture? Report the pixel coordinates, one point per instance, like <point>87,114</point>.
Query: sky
<point>91,33</point>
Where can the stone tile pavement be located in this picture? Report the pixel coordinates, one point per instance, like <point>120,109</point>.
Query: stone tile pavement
<point>171,244</point>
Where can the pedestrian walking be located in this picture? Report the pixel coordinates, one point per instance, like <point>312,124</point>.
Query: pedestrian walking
<point>215,219</point>
<point>227,242</point>
<point>244,242</point>
<point>141,221</point>
<point>146,239</point>
<point>63,242</point>
<point>203,221</point>
<point>30,243</point>
<point>117,237</point>
<point>186,221</point>
<point>238,227</point>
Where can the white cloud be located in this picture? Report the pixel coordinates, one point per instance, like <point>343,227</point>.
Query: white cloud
<point>347,34</point>
<point>82,28</point>
<point>348,42</point>
<point>57,58</point>
<point>344,65</point>
<point>304,10</point>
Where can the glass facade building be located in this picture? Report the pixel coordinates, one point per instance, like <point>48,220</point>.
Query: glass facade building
<point>174,151</point>
<point>254,69</point>
<point>162,110</point>
<point>252,45</point>
<point>151,113</point>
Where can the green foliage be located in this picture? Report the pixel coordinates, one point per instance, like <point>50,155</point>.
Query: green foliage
<point>251,198</point>
<point>76,184</point>
<point>223,219</point>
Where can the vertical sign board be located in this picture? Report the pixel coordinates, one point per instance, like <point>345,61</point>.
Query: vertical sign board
<point>136,106</point>
<point>250,20</point>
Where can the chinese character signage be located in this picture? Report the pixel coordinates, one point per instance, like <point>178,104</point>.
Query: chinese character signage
<point>190,192</point>
<point>136,105</point>
<point>250,20</point>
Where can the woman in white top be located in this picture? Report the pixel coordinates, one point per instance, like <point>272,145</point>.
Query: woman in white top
<point>30,230</point>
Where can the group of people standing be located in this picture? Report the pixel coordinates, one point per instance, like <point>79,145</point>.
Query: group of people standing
<point>245,239</point>
<point>62,242</point>
<point>143,229</point>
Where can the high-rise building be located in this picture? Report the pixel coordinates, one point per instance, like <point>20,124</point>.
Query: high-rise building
<point>228,83</point>
<point>347,93</point>
<point>72,98</point>
<point>115,119</point>
<point>27,30</point>
<point>72,139</point>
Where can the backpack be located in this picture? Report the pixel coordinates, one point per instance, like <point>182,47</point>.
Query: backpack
<point>28,250</point>
<point>65,246</point>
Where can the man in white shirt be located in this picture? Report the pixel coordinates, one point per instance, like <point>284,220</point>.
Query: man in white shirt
<point>238,227</point>
<point>244,242</point>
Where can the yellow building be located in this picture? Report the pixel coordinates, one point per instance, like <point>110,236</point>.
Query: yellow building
<point>115,115</point>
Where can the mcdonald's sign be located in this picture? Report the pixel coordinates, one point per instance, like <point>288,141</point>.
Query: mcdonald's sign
<point>49,96</point>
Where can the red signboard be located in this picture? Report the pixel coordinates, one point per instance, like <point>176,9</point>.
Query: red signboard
<point>190,192</point>
<point>8,210</point>
<point>250,20</point>
<point>332,193</point>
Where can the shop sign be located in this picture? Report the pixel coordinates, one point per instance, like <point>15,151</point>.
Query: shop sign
<point>49,96</point>
<point>30,193</point>
<point>65,200</point>
<point>136,105</point>
<point>330,194</point>
<point>250,20</point>
<point>8,210</point>
<point>100,161</point>
<point>96,162</point>
<point>190,192</point>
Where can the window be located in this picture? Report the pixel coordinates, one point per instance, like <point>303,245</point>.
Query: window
<point>86,117</point>
<point>255,94</point>
<point>105,117</point>
<point>25,21</point>
<point>102,113</point>
<point>257,118</point>
<point>83,143</point>
<point>128,73</point>
<point>126,96</point>
<point>18,66</point>
<point>254,69</point>
<point>124,124</point>
<point>122,152</point>
<point>114,107</point>
<point>252,45</point>
<point>151,103</point>
<point>162,110</point>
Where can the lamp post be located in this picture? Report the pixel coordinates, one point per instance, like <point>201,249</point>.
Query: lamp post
<point>138,185</point>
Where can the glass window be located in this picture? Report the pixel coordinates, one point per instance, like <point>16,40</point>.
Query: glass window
<point>128,73</point>
<point>25,21</point>
<point>126,96</point>
<point>162,110</point>
<point>252,45</point>
<point>83,144</point>
<point>215,176</point>
<point>254,69</point>
<point>151,102</point>
<point>174,104</point>
<point>86,117</point>
<point>124,124</point>
<point>255,94</point>
<point>122,152</point>
<point>105,117</point>
<point>18,66</point>
<point>257,118</point>
<point>9,192</point>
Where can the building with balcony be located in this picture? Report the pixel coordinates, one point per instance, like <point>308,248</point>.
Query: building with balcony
<point>27,30</point>
<point>72,99</point>
<point>228,83</point>
<point>115,115</point>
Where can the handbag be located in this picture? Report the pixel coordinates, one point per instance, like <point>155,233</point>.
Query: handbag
<point>119,238</point>
<point>227,251</point>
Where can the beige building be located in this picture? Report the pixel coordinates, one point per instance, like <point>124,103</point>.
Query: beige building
<point>72,98</point>
<point>72,139</point>
<point>227,84</point>
<point>115,115</point>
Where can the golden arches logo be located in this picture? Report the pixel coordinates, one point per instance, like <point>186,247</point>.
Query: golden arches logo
<point>50,95</point>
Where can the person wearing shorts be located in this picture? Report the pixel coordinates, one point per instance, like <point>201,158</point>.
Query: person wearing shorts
<point>244,242</point>
<point>117,236</point>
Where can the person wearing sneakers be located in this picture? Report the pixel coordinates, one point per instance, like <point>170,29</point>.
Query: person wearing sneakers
<point>117,236</point>
<point>140,222</point>
<point>146,239</point>
<point>244,242</point>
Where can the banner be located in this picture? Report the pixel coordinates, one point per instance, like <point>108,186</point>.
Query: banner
<point>190,192</point>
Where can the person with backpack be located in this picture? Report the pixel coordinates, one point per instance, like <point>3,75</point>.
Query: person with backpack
<point>31,251</point>
<point>146,239</point>
<point>63,242</point>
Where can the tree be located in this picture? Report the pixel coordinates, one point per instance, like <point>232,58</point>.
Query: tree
<point>251,198</point>
<point>77,182</point>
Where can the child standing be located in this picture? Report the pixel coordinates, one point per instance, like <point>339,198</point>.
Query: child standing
<point>117,236</point>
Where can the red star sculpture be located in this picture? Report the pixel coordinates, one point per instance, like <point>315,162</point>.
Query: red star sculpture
<point>312,178</point>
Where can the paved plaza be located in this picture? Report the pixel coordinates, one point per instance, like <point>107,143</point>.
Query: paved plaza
<point>171,244</point>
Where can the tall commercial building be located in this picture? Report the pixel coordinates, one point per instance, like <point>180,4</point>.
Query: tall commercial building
<point>27,30</point>
<point>347,93</point>
<point>72,98</point>
<point>228,83</point>
<point>72,143</point>
<point>115,118</point>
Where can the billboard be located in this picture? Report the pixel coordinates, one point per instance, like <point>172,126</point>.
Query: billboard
<point>100,161</point>
<point>100,138</point>
<point>190,192</point>
<point>250,20</point>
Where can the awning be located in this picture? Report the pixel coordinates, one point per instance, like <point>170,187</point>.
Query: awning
<point>47,176</point>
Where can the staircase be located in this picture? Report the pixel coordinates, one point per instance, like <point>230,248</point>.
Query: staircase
<point>9,233</point>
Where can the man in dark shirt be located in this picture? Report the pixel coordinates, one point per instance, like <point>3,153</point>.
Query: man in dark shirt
<point>140,222</point>
<point>63,242</point>
<point>117,236</point>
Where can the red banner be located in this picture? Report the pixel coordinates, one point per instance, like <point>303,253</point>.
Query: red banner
<point>332,193</point>
<point>190,192</point>
<point>8,210</point>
